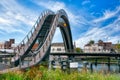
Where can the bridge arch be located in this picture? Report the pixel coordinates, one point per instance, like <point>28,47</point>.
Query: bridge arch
<point>43,31</point>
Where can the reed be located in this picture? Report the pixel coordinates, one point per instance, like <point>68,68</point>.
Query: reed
<point>42,73</point>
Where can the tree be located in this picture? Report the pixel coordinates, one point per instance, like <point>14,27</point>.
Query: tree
<point>117,47</point>
<point>91,42</point>
<point>79,50</point>
<point>100,41</point>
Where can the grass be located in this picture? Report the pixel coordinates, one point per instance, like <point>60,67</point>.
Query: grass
<point>42,73</point>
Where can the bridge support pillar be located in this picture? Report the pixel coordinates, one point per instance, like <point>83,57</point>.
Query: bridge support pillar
<point>108,64</point>
<point>96,62</point>
<point>71,58</point>
<point>0,59</point>
<point>91,67</point>
<point>20,62</point>
<point>119,64</point>
<point>50,61</point>
<point>65,65</point>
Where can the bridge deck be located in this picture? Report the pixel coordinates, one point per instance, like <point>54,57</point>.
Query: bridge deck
<point>74,54</point>
<point>88,54</point>
<point>6,55</point>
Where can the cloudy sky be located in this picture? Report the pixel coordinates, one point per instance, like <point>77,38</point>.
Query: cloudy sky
<point>89,19</point>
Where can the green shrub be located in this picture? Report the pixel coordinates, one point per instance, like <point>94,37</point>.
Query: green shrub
<point>11,76</point>
<point>42,73</point>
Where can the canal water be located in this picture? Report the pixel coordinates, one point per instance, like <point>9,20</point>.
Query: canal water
<point>113,68</point>
<point>3,66</point>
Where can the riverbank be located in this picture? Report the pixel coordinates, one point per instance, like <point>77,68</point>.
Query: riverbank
<point>42,73</point>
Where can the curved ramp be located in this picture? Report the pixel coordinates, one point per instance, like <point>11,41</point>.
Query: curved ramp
<point>43,32</point>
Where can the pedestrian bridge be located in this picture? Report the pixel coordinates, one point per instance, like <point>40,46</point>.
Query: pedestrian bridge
<point>42,33</point>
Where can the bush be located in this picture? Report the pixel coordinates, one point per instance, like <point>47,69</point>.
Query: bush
<point>42,73</point>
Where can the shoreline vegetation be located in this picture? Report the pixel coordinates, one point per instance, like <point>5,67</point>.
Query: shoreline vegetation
<point>43,73</point>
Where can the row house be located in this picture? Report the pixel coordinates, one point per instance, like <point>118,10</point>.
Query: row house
<point>57,47</point>
<point>7,44</point>
<point>1,45</point>
<point>100,47</point>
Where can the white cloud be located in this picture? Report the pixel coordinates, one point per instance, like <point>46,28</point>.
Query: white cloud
<point>21,17</point>
<point>52,5</point>
<point>114,39</point>
<point>75,19</point>
<point>55,6</point>
<point>2,20</point>
<point>107,14</point>
<point>85,2</point>
<point>14,15</point>
<point>93,34</point>
<point>105,33</point>
<point>10,29</point>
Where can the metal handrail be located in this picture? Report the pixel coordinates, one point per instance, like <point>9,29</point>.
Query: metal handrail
<point>49,38</point>
<point>44,47</point>
<point>39,56</point>
<point>35,25</point>
<point>30,33</point>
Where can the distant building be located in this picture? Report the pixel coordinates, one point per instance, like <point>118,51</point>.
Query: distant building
<point>57,47</point>
<point>100,47</point>
<point>93,48</point>
<point>1,45</point>
<point>8,44</point>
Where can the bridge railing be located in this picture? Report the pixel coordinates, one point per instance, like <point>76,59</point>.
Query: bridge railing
<point>34,28</point>
<point>30,37</point>
<point>41,52</point>
<point>101,50</point>
<point>27,41</point>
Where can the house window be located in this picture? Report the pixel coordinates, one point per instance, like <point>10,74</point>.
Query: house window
<point>58,49</point>
<point>99,49</point>
<point>53,49</point>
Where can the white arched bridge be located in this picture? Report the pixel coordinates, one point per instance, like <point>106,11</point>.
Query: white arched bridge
<point>42,33</point>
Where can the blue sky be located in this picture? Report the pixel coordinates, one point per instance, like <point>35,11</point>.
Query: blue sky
<point>89,19</point>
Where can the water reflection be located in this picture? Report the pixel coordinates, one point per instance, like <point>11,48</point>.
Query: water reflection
<point>113,68</point>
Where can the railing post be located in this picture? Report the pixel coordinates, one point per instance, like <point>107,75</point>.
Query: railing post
<point>119,63</point>
<point>28,61</point>
<point>20,61</point>
<point>50,61</point>
<point>43,48</point>
<point>18,49</point>
<point>27,37</point>
<point>34,59</point>
<point>91,67</point>
<point>39,54</point>
<point>108,64</point>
